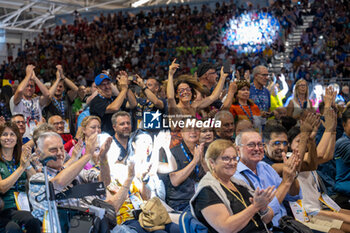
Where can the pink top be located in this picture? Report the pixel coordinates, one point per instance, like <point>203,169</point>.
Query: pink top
<point>88,165</point>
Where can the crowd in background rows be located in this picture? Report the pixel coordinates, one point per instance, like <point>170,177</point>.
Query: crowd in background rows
<point>265,115</point>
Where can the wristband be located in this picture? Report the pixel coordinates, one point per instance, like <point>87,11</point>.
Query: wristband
<point>263,213</point>
<point>143,89</point>
<point>145,179</point>
<point>29,167</point>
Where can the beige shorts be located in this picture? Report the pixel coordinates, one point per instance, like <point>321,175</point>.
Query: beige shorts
<point>323,223</point>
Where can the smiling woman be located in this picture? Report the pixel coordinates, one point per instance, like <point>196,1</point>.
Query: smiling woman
<point>300,100</point>
<point>225,204</point>
<point>183,91</point>
<point>244,108</point>
<point>14,170</point>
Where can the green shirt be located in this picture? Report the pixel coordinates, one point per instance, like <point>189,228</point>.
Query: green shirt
<point>6,170</point>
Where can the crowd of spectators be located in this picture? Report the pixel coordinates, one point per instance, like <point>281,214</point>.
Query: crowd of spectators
<point>144,43</point>
<point>322,53</point>
<point>251,155</point>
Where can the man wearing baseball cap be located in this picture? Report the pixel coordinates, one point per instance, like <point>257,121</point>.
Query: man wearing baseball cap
<point>105,104</point>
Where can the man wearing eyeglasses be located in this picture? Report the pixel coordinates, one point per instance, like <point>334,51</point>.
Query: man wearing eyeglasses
<point>18,119</point>
<point>257,173</point>
<point>59,124</point>
<point>258,91</point>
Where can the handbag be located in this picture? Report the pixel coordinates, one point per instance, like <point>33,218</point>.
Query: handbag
<point>289,225</point>
<point>154,216</point>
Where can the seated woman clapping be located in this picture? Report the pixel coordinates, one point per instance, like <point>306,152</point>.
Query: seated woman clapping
<point>15,169</point>
<point>225,204</point>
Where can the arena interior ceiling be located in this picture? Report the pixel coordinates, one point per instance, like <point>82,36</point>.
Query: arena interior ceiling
<point>34,15</point>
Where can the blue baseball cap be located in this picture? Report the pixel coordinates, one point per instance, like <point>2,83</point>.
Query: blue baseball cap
<point>99,78</point>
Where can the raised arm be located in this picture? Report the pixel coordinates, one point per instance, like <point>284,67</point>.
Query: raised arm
<point>105,173</point>
<point>285,87</point>
<point>118,198</point>
<point>73,92</point>
<point>21,87</point>
<point>45,97</point>
<point>229,98</point>
<point>67,175</point>
<point>55,84</point>
<point>308,129</point>
<point>117,103</point>
<point>289,184</point>
<point>149,94</point>
<point>132,102</point>
<point>170,92</point>
<point>162,140</point>
<point>325,149</point>
<point>215,95</point>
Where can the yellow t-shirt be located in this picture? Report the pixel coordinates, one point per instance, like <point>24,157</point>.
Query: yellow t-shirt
<point>276,101</point>
<point>125,212</point>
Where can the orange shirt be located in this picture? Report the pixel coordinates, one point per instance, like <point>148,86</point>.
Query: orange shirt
<point>239,114</point>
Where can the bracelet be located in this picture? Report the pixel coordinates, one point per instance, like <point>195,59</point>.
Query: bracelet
<point>143,89</point>
<point>264,213</point>
<point>29,167</point>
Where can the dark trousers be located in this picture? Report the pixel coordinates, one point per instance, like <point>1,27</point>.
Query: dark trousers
<point>169,228</point>
<point>342,200</point>
<point>12,221</point>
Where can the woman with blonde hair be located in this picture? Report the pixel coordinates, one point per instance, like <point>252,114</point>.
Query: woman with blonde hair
<point>300,100</point>
<point>89,126</point>
<point>225,204</point>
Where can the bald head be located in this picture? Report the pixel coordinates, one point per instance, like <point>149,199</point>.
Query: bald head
<point>57,122</point>
<point>243,125</point>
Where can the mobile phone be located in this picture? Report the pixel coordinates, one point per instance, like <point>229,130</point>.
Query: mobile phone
<point>227,67</point>
<point>132,78</point>
<point>233,76</point>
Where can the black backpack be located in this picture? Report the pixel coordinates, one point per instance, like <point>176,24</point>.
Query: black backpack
<point>289,225</point>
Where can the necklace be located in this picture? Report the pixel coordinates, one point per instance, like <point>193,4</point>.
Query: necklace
<point>240,198</point>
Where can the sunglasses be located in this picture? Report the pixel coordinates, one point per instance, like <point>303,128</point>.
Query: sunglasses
<point>278,143</point>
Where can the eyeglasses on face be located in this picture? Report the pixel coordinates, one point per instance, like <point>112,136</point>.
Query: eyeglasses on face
<point>265,75</point>
<point>279,143</point>
<point>59,123</point>
<point>228,159</point>
<point>252,145</point>
<point>182,90</point>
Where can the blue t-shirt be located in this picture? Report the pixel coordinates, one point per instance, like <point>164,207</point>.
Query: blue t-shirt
<point>342,161</point>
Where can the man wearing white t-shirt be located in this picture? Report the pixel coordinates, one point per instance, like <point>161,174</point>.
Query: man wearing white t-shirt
<point>23,102</point>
